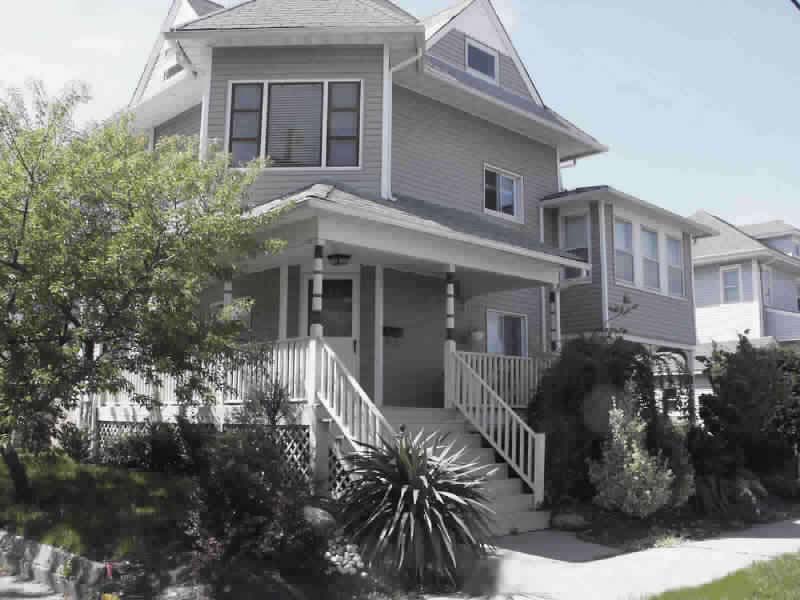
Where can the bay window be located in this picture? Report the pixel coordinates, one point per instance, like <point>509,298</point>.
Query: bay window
<point>675,267</point>
<point>623,251</point>
<point>576,241</point>
<point>294,124</point>
<point>245,122</point>
<point>651,266</point>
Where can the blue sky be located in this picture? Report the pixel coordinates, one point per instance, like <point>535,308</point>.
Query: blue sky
<point>698,101</point>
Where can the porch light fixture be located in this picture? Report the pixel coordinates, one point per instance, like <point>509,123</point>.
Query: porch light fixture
<point>339,260</point>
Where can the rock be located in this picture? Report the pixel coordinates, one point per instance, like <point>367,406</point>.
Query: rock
<point>569,521</point>
<point>320,520</point>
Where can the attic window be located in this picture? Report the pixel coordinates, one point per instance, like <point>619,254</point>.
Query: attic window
<point>172,71</point>
<point>481,61</point>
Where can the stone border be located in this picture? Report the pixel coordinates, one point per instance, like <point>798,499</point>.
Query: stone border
<point>41,562</point>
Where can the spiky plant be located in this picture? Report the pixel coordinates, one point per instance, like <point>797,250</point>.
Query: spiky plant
<point>415,507</point>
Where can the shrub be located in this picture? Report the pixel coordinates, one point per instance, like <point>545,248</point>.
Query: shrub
<point>629,479</point>
<point>413,506</point>
<point>130,451</point>
<point>74,441</point>
<point>672,440</point>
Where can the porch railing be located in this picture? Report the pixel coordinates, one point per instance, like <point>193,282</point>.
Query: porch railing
<point>513,378</point>
<point>511,437</point>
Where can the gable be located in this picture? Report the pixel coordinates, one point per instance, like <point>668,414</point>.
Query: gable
<point>477,20</point>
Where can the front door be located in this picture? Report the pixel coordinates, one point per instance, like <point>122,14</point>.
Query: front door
<point>339,318</point>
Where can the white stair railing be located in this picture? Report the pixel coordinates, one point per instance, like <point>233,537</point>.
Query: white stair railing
<point>514,378</point>
<point>511,437</point>
<point>349,406</point>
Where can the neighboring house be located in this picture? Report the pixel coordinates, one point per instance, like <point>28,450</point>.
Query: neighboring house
<point>747,280</point>
<point>433,256</point>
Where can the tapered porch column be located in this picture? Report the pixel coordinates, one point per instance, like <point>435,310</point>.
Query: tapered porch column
<point>316,296</point>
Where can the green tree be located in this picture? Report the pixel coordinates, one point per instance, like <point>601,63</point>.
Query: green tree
<point>105,248</point>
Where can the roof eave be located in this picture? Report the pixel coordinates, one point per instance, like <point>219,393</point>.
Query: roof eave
<point>179,33</point>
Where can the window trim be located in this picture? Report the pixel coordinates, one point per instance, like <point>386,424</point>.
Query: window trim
<point>562,238</point>
<point>722,271</point>
<point>667,238</point>
<point>519,194</point>
<point>265,97</point>
<point>642,229</point>
<point>229,139</point>
<point>488,50</point>
<point>506,313</point>
<point>768,276</point>
<point>631,252</point>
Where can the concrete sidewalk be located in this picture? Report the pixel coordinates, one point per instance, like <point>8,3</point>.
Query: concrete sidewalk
<point>554,565</point>
<point>12,588</point>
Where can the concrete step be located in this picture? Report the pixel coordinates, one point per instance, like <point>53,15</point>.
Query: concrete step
<point>411,416</point>
<point>512,503</point>
<point>504,485</point>
<point>523,521</point>
<point>451,427</point>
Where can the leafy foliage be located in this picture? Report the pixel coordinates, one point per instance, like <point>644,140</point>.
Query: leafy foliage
<point>414,507</point>
<point>74,441</point>
<point>105,247</point>
<point>629,479</point>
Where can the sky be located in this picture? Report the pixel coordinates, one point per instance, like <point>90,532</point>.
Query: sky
<point>698,100</point>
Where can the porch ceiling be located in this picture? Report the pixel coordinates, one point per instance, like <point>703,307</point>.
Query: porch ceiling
<point>379,233</point>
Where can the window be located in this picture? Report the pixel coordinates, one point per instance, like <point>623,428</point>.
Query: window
<point>294,125</point>
<point>576,241</point>
<point>502,193</point>
<point>344,120</point>
<point>245,125</point>
<point>481,61</point>
<point>507,334</point>
<point>623,251</point>
<point>294,133</point>
<point>651,267</point>
<point>731,285</point>
<point>675,267</point>
<point>767,284</point>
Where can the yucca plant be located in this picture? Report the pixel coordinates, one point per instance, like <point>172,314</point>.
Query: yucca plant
<point>415,507</point>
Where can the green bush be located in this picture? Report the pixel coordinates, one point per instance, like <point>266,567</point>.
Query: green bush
<point>628,478</point>
<point>671,439</point>
<point>74,441</point>
<point>415,509</point>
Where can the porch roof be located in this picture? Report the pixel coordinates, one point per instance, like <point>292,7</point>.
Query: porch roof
<point>412,213</point>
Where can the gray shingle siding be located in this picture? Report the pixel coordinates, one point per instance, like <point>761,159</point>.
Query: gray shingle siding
<point>658,317</point>
<point>187,123</point>
<point>452,50</point>
<point>364,63</point>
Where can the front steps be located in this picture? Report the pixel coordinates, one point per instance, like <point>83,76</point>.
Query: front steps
<point>512,503</point>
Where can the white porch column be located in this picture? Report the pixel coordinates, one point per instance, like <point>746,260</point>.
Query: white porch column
<point>555,318</point>
<point>316,296</point>
<point>378,392</point>
<point>283,303</point>
<point>205,107</point>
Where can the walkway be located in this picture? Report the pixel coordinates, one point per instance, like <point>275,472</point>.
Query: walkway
<point>553,565</point>
<point>13,589</point>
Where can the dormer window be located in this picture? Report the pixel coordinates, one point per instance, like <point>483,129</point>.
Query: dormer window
<point>481,61</point>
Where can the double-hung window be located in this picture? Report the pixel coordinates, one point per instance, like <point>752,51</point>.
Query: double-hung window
<point>731,285</point>
<point>247,106</point>
<point>623,251</point>
<point>507,334</point>
<point>651,264</point>
<point>576,241</point>
<point>675,268</point>
<point>295,134</point>
<point>502,193</point>
<point>481,61</point>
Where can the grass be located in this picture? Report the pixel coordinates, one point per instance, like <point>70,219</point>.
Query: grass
<point>99,512</point>
<point>777,579</point>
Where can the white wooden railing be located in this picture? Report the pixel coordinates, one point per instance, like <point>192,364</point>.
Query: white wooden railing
<point>511,437</point>
<point>514,378</point>
<point>355,415</point>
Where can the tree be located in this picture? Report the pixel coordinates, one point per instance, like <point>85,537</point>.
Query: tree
<point>105,248</point>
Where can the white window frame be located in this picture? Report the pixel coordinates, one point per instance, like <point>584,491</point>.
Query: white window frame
<point>506,313</point>
<point>632,250</point>
<point>488,50</point>
<point>670,266</point>
<point>562,237</point>
<point>722,271</point>
<point>768,285</point>
<point>519,194</point>
<point>265,113</point>
<point>657,260</point>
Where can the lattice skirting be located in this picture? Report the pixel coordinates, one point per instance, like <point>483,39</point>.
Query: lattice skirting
<point>338,479</point>
<point>293,440</point>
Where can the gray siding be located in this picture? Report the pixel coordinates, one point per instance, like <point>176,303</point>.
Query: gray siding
<point>367,342</point>
<point>784,290</point>
<point>293,312</point>
<point>658,317</point>
<point>783,244</point>
<point>452,49</point>
<point>413,364</point>
<point>782,326</point>
<point>708,291</point>
<point>306,63</point>
<point>187,123</point>
<point>582,304</point>
<point>264,289</point>
<point>440,154</point>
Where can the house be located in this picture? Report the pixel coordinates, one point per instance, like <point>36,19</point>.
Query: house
<point>434,261</point>
<point>747,281</point>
